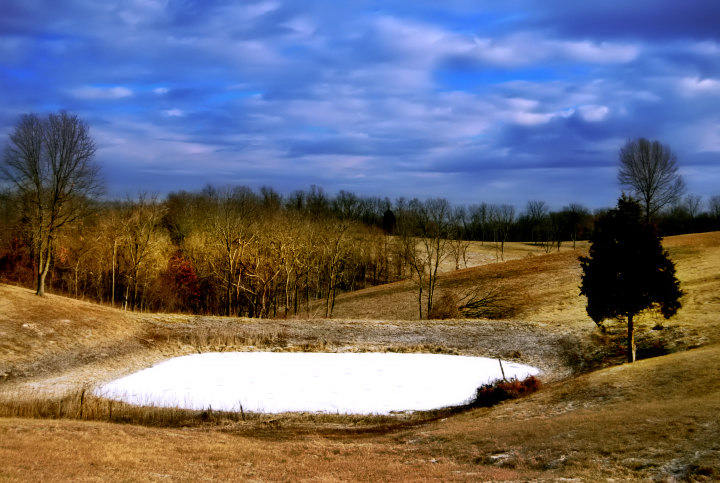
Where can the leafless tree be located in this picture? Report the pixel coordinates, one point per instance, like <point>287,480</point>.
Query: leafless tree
<point>424,230</point>
<point>692,204</point>
<point>714,207</point>
<point>501,219</point>
<point>334,250</point>
<point>479,220</point>
<point>536,212</point>
<point>260,265</point>
<point>577,218</point>
<point>230,225</point>
<point>649,169</point>
<point>459,245</point>
<point>50,163</point>
<point>143,244</point>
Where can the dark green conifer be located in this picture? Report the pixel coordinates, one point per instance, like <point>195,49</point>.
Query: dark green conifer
<point>627,270</point>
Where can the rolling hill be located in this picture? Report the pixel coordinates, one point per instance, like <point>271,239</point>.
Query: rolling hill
<point>595,418</point>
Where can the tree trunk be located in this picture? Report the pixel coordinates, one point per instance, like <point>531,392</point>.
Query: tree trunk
<point>133,302</point>
<point>228,295</point>
<point>331,281</point>
<point>77,268</point>
<point>114,262</point>
<point>43,269</point>
<point>631,340</point>
<point>41,283</point>
<point>420,291</point>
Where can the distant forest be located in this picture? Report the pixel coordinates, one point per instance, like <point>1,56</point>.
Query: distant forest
<point>234,251</point>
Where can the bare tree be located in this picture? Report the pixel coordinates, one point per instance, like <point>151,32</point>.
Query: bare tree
<point>459,245</point>
<point>501,219</point>
<point>50,162</point>
<point>230,225</point>
<point>334,248</point>
<point>260,265</point>
<point>479,221</point>
<point>714,207</point>
<point>536,214</point>
<point>576,218</point>
<point>650,170</point>
<point>424,230</point>
<point>142,243</point>
<point>692,204</point>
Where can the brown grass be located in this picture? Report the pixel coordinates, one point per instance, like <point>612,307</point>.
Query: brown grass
<point>594,419</point>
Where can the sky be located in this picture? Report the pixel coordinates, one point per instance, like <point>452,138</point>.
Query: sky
<point>470,100</point>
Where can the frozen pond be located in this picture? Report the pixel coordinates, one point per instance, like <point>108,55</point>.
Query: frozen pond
<point>274,382</point>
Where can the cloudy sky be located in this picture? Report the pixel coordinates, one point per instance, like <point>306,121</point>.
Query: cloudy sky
<point>472,100</point>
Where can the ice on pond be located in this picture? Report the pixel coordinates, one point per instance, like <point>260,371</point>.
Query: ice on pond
<point>275,382</point>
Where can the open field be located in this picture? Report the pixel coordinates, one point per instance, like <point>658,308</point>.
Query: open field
<point>594,419</point>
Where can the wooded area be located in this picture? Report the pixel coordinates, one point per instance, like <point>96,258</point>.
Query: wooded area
<point>234,251</point>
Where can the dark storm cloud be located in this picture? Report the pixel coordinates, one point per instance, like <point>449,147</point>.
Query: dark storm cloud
<point>653,20</point>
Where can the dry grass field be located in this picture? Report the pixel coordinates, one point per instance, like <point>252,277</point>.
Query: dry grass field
<point>595,418</point>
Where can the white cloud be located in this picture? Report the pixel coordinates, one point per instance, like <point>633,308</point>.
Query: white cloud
<point>602,53</point>
<point>531,118</point>
<point>522,103</point>
<point>694,86</point>
<point>247,12</point>
<point>173,113</point>
<point>592,113</point>
<point>101,93</point>
<point>524,49</point>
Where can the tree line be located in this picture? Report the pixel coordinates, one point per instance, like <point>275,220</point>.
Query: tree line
<point>235,251</point>
<point>231,250</point>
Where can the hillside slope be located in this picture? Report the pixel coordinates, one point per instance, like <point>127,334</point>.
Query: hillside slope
<point>41,335</point>
<point>652,420</point>
<point>545,288</point>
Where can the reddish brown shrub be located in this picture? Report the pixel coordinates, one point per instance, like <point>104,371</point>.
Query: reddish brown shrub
<point>493,393</point>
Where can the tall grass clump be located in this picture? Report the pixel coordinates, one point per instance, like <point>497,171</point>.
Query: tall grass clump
<point>207,338</point>
<point>85,406</point>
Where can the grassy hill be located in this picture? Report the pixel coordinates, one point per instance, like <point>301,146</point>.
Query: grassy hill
<point>594,419</point>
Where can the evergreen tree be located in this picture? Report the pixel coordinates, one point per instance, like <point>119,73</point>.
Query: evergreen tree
<point>627,270</point>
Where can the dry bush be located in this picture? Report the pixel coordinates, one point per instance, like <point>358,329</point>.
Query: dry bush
<point>487,303</point>
<point>445,307</point>
<point>490,394</point>
<point>480,301</point>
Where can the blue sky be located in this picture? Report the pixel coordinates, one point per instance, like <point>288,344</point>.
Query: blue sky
<point>474,101</point>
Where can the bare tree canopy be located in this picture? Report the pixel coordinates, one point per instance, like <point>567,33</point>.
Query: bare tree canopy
<point>650,170</point>
<point>50,162</point>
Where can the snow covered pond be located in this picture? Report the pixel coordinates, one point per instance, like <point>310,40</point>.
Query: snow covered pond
<point>274,382</point>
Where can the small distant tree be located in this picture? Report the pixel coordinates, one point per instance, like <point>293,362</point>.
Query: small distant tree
<point>575,220</point>
<point>627,270</point>
<point>423,228</point>
<point>650,170</point>
<point>714,208</point>
<point>501,218</point>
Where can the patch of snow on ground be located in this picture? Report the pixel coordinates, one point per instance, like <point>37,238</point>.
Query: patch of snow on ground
<point>275,382</point>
